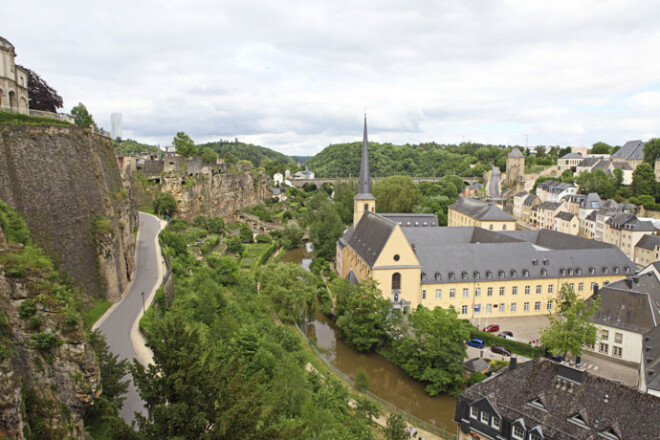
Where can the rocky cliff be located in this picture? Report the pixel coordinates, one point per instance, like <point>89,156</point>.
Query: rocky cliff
<point>48,374</point>
<point>65,182</point>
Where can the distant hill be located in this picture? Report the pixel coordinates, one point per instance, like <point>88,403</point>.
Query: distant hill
<point>130,147</point>
<point>259,156</point>
<point>301,159</point>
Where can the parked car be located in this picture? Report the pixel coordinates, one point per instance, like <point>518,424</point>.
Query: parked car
<point>476,343</point>
<point>500,350</point>
<point>555,358</point>
<point>506,334</point>
<point>492,328</point>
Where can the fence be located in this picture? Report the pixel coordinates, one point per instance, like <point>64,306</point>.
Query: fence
<point>38,113</point>
<point>441,432</point>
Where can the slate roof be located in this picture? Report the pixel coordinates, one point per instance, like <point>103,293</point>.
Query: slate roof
<point>589,161</point>
<point>629,222</point>
<point>521,194</point>
<point>413,220</point>
<point>516,153</point>
<point>530,198</point>
<point>554,186</point>
<point>571,156</point>
<point>592,216</point>
<point>480,210</point>
<point>630,305</point>
<point>649,242</point>
<point>568,216</point>
<point>651,350</point>
<point>470,254</point>
<point>476,365</point>
<point>563,393</point>
<point>371,235</point>
<point>591,201</point>
<point>631,150</point>
<point>552,206</point>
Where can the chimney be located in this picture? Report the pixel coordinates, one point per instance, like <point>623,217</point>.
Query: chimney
<point>513,363</point>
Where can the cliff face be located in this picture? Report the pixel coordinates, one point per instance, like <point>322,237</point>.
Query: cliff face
<point>65,182</point>
<point>48,373</point>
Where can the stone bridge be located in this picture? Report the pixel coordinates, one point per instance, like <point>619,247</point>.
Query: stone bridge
<point>298,183</point>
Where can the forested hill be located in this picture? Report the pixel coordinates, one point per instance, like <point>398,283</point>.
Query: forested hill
<point>259,156</point>
<point>413,160</point>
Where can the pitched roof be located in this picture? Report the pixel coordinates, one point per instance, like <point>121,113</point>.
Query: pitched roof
<point>476,365</point>
<point>564,393</point>
<point>648,241</point>
<point>480,210</point>
<point>371,235</point>
<point>571,156</point>
<point>555,186</point>
<point>530,198</point>
<point>631,150</point>
<point>629,304</point>
<point>591,201</point>
<point>413,220</point>
<point>516,153</point>
<point>453,254</point>
<point>651,350</point>
<point>629,222</point>
<point>589,161</point>
<point>568,216</point>
<point>552,206</point>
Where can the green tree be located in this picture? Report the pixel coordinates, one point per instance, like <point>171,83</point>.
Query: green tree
<point>601,148</point>
<point>226,269</point>
<point>81,116</point>
<point>184,145</point>
<point>644,180</point>
<point>364,317</point>
<point>208,155</point>
<point>245,233</point>
<point>344,193</point>
<point>432,349</point>
<point>571,328</point>
<point>292,236</point>
<point>164,204</point>
<point>215,225</point>
<point>361,379</point>
<point>652,151</point>
<point>618,176</point>
<point>396,194</point>
<point>235,245</point>
<point>597,181</point>
<point>396,427</point>
<point>291,290</point>
<point>325,229</point>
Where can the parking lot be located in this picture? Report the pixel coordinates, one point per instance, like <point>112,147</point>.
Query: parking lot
<point>524,329</point>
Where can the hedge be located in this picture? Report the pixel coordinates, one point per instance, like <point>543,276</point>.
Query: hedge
<point>518,347</point>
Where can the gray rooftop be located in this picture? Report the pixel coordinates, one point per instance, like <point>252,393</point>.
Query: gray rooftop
<point>550,396</point>
<point>530,199</point>
<point>480,210</point>
<point>555,186</point>
<point>589,161</point>
<point>371,235</point>
<point>568,216</point>
<point>571,156</point>
<point>516,153</point>
<point>476,365</point>
<point>451,254</point>
<point>631,150</point>
<point>649,242</point>
<point>651,350</point>
<point>630,222</point>
<point>591,201</point>
<point>552,206</point>
<point>413,220</point>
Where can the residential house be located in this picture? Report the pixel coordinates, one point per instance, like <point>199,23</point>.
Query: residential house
<point>588,226</point>
<point>554,191</point>
<point>545,214</point>
<point>647,250</point>
<point>473,212</point>
<point>518,200</point>
<point>569,161</point>
<point>632,153</point>
<point>625,231</point>
<point>530,202</point>
<point>567,223</point>
<point>545,400</point>
<point>472,190</point>
<point>278,179</point>
<point>573,203</point>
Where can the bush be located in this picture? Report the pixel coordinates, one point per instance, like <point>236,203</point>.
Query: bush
<point>361,379</point>
<point>27,309</point>
<point>476,377</point>
<point>45,341</point>
<point>235,245</point>
<point>263,238</point>
<point>518,347</point>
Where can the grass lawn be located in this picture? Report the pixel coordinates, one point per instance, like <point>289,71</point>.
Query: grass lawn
<point>536,169</point>
<point>92,315</point>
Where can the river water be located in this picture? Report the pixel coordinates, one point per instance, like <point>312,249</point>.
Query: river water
<point>386,380</point>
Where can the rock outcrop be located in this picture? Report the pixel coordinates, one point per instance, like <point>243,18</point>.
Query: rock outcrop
<point>66,183</point>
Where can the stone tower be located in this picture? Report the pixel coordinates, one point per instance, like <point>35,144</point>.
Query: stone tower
<point>515,167</point>
<point>364,201</point>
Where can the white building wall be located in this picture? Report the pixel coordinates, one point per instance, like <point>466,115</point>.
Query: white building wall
<point>631,344</point>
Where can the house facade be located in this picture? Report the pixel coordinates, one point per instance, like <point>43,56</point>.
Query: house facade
<point>625,231</point>
<point>647,250</point>
<point>473,212</point>
<point>13,81</point>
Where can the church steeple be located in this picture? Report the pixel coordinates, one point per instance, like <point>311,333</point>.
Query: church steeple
<point>364,200</point>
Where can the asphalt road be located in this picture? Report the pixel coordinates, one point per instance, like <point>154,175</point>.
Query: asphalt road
<point>117,326</point>
<point>494,183</point>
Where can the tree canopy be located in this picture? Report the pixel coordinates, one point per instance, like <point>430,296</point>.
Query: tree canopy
<point>81,116</point>
<point>651,151</point>
<point>396,194</point>
<point>290,289</point>
<point>41,96</point>
<point>644,181</point>
<point>184,145</point>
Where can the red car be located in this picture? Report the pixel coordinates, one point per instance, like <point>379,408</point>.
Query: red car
<point>492,328</point>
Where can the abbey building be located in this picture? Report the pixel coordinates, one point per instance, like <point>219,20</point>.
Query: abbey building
<point>476,271</point>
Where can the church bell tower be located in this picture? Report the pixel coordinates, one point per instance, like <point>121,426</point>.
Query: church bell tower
<point>364,201</point>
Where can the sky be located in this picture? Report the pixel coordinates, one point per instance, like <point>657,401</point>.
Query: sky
<point>296,76</point>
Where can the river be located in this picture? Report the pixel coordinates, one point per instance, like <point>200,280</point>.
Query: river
<point>386,380</point>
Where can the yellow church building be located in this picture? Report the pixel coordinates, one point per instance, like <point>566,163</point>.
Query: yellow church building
<point>476,271</point>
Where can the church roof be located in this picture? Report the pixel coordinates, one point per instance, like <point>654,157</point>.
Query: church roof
<point>413,220</point>
<point>480,210</point>
<point>364,185</point>
<point>371,235</point>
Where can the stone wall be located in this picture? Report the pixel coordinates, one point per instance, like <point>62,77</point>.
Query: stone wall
<point>65,182</point>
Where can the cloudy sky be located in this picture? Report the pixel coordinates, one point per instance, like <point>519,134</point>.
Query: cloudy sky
<point>296,76</point>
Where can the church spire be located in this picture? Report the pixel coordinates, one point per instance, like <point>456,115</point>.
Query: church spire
<point>364,186</point>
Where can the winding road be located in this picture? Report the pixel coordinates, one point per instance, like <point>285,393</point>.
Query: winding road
<point>118,323</point>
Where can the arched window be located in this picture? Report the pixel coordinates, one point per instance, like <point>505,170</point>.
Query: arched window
<point>396,281</point>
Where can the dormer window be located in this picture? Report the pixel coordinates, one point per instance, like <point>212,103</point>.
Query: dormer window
<point>485,417</point>
<point>438,276</point>
<point>514,273</point>
<point>489,274</point>
<point>500,274</point>
<point>535,437</point>
<point>609,434</point>
<point>546,262</point>
<point>626,269</point>
<point>578,271</point>
<point>562,272</point>
<point>525,273</point>
<point>474,412</point>
<point>604,269</point>
<point>495,422</point>
<point>544,272</point>
<point>578,420</point>
<point>616,269</point>
<point>423,276</point>
<point>452,276</point>
<point>464,275</point>
<point>536,403</point>
<point>518,432</point>
<point>476,275</point>
<point>592,271</point>
<point>535,262</point>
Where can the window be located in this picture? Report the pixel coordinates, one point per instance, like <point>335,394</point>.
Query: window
<point>617,351</point>
<point>514,290</point>
<point>544,272</point>
<point>396,281</point>
<point>489,309</point>
<point>396,257</point>
<point>551,288</point>
<point>604,335</point>
<point>423,276</point>
<point>476,275</point>
<point>526,307</point>
<point>526,290</point>
<point>525,273</point>
<point>438,276</point>
<point>452,293</point>
<point>489,274</point>
<point>593,286</point>
<point>549,306</point>
<point>501,274</point>
<point>518,432</point>
<point>477,291</point>
<point>603,348</point>
<point>423,294</point>
<point>513,307</point>
<point>514,273</point>
<point>572,286</point>
<point>537,306</point>
<point>466,292</point>
<point>438,293</point>
<point>464,310</point>
<point>464,275</point>
<point>618,338</point>
<point>580,287</point>
<point>501,291</point>
<point>502,308</point>
<point>490,291</point>
<point>534,437</point>
<point>452,275</point>
<point>485,418</point>
<point>538,289</point>
<point>474,412</point>
<point>495,422</point>
<point>504,227</point>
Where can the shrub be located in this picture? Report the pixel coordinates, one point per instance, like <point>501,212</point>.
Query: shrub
<point>27,309</point>
<point>45,341</point>
<point>263,238</point>
<point>514,346</point>
<point>361,379</point>
<point>34,322</point>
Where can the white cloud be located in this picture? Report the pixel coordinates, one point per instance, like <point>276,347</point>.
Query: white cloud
<point>296,76</point>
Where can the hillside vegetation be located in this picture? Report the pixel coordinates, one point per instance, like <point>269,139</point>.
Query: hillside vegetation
<point>257,155</point>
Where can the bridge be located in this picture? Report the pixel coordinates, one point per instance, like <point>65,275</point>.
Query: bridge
<point>298,183</point>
